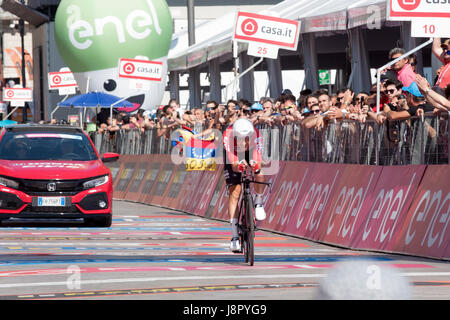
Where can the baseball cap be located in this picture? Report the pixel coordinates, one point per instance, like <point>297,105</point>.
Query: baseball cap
<point>257,106</point>
<point>413,89</point>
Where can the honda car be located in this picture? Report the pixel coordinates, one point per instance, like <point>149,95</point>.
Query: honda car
<point>53,174</point>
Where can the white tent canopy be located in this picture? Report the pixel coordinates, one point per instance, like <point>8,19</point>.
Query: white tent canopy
<point>214,38</point>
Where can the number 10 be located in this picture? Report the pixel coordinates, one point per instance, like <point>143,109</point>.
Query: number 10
<point>431,29</point>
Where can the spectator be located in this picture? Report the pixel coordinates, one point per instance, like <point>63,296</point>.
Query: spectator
<point>412,60</point>
<point>435,99</point>
<point>405,73</point>
<point>442,52</point>
<point>310,100</point>
<point>324,101</point>
<point>232,112</point>
<point>414,105</point>
<point>393,89</point>
<point>360,99</point>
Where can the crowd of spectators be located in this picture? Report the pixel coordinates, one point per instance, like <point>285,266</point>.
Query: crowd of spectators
<point>404,93</point>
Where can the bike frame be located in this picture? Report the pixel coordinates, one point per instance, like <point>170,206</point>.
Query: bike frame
<point>246,217</point>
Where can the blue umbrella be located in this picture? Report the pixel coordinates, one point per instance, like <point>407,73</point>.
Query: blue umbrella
<point>95,99</point>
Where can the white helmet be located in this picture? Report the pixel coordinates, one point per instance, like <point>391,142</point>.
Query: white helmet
<point>243,128</point>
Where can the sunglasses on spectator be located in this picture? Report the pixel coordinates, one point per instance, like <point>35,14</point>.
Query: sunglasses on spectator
<point>360,99</point>
<point>391,91</point>
<point>315,111</point>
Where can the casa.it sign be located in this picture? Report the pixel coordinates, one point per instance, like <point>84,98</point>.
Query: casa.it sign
<point>141,69</point>
<point>64,79</point>
<point>256,28</point>
<point>405,10</point>
<point>18,94</point>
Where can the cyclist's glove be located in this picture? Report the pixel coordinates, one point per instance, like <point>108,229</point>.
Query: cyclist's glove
<point>255,165</point>
<point>241,166</point>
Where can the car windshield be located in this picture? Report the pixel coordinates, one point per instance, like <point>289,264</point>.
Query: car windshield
<point>46,146</point>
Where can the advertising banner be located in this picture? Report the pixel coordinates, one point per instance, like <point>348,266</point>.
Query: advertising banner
<point>150,177</point>
<point>313,203</point>
<point>175,186</point>
<point>132,192</point>
<point>162,182</point>
<point>425,229</point>
<point>125,176</point>
<point>387,206</point>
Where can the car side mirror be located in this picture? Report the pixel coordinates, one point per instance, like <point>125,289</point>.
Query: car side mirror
<point>110,157</point>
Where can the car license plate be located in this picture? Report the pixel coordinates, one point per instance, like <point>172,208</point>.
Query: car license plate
<point>51,201</point>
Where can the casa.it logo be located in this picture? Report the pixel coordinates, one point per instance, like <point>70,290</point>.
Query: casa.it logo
<point>249,27</point>
<point>408,4</point>
<point>128,68</point>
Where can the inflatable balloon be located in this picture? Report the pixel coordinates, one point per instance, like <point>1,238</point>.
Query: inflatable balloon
<point>92,36</point>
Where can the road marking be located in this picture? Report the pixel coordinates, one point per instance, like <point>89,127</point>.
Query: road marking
<point>187,278</point>
<point>56,271</point>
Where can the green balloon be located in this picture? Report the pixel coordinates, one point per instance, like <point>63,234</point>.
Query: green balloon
<point>94,35</point>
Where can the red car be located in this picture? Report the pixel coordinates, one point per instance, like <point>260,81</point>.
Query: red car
<point>53,174</point>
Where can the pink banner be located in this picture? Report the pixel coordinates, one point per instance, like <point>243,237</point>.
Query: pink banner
<point>346,212</point>
<point>425,230</point>
<point>387,207</point>
<point>313,204</point>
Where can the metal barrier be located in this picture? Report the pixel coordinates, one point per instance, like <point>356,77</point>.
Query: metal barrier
<point>422,140</point>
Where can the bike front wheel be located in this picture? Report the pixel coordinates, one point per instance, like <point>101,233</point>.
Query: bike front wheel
<point>249,244</point>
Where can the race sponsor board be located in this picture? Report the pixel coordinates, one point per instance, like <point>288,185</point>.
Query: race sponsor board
<point>132,192</point>
<point>386,207</point>
<point>425,230</point>
<point>150,177</point>
<point>62,79</point>
<point>125,177</point>
<point>348,203</point>
<point>141,69</point>
<point>405,10</point>
<point>252,27</point>
<point>18,94</point>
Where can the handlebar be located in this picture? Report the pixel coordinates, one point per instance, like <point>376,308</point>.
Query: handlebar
<point>248,176</point>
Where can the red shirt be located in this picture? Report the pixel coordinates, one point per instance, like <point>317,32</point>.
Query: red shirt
<point>230,145</point>
<point>444,76</point>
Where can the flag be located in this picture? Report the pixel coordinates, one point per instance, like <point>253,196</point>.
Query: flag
<point>182,135</point>
<point>200,155</point>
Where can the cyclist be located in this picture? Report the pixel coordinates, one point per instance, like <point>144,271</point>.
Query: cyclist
<point>243,149</point>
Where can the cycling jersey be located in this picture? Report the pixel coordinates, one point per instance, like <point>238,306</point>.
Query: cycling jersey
<point>232,152</point>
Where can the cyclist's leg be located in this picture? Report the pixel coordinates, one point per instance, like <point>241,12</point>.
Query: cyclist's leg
<point>233,181</point>
<point>260,213</point>
<point>234,192</point>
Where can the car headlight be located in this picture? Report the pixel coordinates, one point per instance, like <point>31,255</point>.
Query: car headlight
<point>9,183</point>
<point>96,182</point>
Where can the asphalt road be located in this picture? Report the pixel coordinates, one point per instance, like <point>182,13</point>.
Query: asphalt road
<point>153,253</point>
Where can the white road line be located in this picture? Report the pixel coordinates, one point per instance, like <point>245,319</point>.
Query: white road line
<point>233,277</point>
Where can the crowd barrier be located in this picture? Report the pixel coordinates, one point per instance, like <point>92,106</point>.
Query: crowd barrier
<point>416,141</point>
<point>394,209</point>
